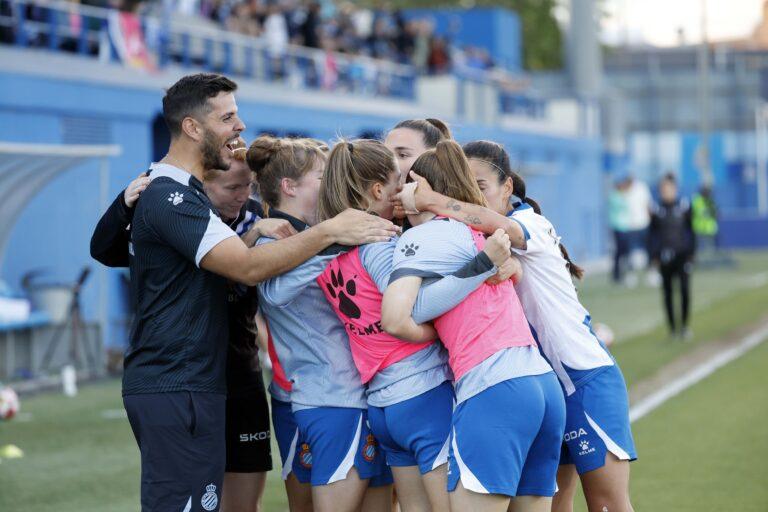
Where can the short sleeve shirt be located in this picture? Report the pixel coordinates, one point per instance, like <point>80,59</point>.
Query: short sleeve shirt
<point>179,335</point>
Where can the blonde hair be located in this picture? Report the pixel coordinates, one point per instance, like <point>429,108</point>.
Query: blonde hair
<point>447,170</point>
<point>273,159</point>
<point>353,166</point>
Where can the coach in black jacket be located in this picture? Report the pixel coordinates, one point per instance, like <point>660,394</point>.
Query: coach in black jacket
<point>673,247</point>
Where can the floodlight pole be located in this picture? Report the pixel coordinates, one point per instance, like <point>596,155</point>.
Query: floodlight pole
<point>761,157</point>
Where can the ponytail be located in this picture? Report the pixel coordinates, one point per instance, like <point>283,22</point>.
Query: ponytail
<point>575,270</point>
<point>447,170</point>
<point>496,156</point>
<point>353,167</point>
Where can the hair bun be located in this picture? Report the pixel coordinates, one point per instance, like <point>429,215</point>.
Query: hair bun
<point>261,151</point>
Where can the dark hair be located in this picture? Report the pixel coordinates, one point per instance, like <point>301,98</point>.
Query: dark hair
<point>497,157</point>
<point>432,130</point>
<point>189,98</point>
<point>669,177</point>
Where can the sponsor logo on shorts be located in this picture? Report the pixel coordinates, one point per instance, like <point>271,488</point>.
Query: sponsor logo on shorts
<point>585,449</point>
<point>369,449</point>
<point>305,456</point>
<point>255,436</point>
<point>209,499</point>
<point>574,434</point>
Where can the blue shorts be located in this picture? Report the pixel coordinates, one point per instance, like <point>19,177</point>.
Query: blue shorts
<point>506,439</point>
<point>416,432</point>
<point>289,442</point>
<point>597,422</point>
<point>335,440</point>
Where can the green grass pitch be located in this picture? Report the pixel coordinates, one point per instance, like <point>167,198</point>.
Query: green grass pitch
<point>704,450</point>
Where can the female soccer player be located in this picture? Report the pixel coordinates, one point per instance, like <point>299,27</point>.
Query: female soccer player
<point>509,420</point>
<point>410,396</point>
<point>598,439</point>
<point>333,440</point>
<point>412,137</point>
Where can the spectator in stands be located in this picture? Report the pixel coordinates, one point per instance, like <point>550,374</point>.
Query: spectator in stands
<point>672,249</point>
<point>310,28</point>
<point>242,22</point>
<point>6,31</point>
<point>403,38</point>
<point>423,30</point>
<point>276,34</point>
<point>439,60</point>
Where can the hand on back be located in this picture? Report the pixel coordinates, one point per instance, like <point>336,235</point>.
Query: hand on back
<point>134,189</point>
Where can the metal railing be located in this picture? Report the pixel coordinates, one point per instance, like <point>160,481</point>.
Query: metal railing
<point>71,27</point>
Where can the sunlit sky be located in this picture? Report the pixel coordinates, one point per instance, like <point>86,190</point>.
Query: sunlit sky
<point>656,22</point>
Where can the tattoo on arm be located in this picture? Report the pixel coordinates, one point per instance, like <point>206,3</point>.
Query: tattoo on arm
<point>473,220</point>
<point>453,205</point>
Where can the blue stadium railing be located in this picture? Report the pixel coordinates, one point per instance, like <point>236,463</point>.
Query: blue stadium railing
<point>48,24</point>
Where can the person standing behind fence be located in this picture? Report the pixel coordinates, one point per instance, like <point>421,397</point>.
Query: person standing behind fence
<point>672,249</point>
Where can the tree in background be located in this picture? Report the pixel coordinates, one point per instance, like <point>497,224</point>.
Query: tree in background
<point>542,38</point>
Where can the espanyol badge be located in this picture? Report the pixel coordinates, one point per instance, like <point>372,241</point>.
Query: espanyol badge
<point>369,450</point>
<point>305,456</point>
<point>209,499</point>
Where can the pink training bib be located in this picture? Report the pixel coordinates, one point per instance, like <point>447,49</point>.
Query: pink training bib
<point>357,302</point>
<point>490,319</point>
<point>278,374</point>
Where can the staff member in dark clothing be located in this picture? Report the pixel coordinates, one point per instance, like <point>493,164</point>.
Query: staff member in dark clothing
<point>672,248</point>
<point>181,255</point>
<point>248,433</point>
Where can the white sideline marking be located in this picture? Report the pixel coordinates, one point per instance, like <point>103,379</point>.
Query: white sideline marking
<point>705,369</point>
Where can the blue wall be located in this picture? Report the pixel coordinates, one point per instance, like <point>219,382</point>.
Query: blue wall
<point>53,232</point>
<point>498,30</point>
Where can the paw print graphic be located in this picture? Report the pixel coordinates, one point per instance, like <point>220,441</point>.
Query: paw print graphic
<point>342,292</point>
<point>584,445</point>
<point>410,249</point>
<point>175,198</point>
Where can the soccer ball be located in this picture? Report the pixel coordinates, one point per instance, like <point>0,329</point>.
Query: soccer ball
<point>9,403</point>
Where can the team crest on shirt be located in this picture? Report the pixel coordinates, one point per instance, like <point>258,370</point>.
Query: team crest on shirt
<point>209,499</point>
<point>305,456</point>
<point>175,198</point>
<point>369,449</point>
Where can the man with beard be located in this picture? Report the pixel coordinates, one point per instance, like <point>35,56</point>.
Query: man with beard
<point>181,255</point>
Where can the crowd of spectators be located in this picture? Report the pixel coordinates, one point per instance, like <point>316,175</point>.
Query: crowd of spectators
<point>344,27</point>
<point>336,28</point>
